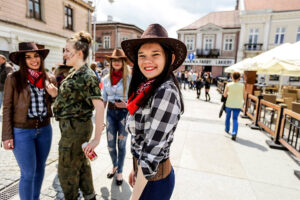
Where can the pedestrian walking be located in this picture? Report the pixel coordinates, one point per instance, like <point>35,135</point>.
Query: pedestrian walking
<point>186,74</point>
<point>234,92</point>
<point>79,94</point>
<point>155,105</point>
<point>207,82</point>
<point>198,85</point>
<point>115,89</point>
<point>5,69</point>
<point>26,128</point>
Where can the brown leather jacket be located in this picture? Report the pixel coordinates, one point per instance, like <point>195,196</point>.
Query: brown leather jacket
<point>15,105</point>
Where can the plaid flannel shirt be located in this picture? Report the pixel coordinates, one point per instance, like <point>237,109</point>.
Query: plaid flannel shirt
<point>37,106</point>
<point>153,127</point>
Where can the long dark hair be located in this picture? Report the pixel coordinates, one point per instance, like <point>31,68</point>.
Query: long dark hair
<point>21,74</point>
<point>167,73</point>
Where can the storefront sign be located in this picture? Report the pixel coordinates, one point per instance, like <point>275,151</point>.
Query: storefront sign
<point>209,62</point>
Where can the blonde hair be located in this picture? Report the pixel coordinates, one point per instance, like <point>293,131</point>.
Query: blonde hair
<point>126,72</point>
<point>82,42</point>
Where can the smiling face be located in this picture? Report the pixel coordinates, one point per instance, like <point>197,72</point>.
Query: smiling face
<point>117,64</point>
<point>33,60</point>
<point>151,59</point>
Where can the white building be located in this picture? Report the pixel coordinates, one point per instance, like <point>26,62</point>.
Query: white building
<point>213,39</point>
<point>266,24</point>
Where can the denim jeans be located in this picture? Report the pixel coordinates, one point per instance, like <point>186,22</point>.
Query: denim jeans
<point>236,112</point>
<point>31,150</point>
<point>161,189</point>
<point>115,121</point>
<point>1,99</point>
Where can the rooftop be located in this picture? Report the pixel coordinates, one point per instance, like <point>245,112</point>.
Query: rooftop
<point>275,5</point>
<point>224,19</point>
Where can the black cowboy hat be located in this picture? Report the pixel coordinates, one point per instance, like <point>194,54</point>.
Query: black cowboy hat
<point>27,47</point>
<point>156,33</point>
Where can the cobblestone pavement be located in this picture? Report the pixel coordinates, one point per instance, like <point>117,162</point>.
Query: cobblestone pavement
<point>9,169</point>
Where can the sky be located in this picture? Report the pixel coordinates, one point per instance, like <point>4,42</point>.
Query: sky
<point>172,14</point>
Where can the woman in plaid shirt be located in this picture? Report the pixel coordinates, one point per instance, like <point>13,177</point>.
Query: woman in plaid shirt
<point>155,105</point>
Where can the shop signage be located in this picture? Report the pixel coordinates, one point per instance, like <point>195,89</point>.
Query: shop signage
<point>209,62</point>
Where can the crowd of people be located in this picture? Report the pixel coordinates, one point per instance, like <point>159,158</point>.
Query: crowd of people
<point>144,101</point>
<point>193,80</point>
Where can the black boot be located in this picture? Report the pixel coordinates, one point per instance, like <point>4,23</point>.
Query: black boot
<point>208,96</point>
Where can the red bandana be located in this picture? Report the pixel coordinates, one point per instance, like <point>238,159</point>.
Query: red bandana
<point>35,78</point>
<point>116,76</point>
<point>132,103</point>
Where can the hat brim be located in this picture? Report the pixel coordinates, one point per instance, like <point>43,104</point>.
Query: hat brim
<point>178,48</point>
<point>15,56</point>
<point>109,58</point>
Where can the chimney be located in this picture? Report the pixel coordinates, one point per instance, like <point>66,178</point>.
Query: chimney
<point>237,5</point>
<point>109,18</point>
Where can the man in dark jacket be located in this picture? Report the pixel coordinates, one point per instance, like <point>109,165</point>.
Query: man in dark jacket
<point>5,68</point>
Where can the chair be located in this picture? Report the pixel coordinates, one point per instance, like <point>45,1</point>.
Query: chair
<point>296,107</point>
<point>270,98</point>
<point>288,101</point>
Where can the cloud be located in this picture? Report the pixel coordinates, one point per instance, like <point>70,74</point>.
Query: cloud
<point>172,14</point>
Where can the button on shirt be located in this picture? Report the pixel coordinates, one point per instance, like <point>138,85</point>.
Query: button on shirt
<point>112,93</point>
<point>75,95</point>
<point>152,128</point>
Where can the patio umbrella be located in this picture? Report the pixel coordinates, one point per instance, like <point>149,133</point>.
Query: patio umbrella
<point>241,66</point>
<point>283,62</point>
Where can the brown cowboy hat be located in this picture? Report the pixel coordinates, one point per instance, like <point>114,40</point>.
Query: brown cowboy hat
<point>117,54</point>
<point>27,47</point>
<point>156,33</point>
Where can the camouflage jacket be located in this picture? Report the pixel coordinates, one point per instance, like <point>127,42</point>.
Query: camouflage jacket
<point>75,95</point>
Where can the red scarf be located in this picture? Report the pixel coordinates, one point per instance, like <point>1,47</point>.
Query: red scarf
<point>116,76</point>
<point>134,99</point>
<point>35,78</point>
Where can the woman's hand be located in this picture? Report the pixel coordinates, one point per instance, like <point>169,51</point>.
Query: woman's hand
<point>90,147</point>
<point>8,144</point>
<point>51,89</point>
<point>131,178</point>
<point>121,104</point>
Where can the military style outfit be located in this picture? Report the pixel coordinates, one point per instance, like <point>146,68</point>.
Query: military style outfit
<point>73,108</point>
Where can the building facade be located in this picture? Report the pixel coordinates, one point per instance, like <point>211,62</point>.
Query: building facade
<point>47,23</point>
<point>266,24</point>
<point>212,42</point>
<point>109,36</point>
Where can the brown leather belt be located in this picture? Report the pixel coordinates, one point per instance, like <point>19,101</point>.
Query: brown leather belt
<point>163,170</point>
<point>112,106</point>
<point>33,123</point>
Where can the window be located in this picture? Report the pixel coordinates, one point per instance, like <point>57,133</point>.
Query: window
<point>253,36</point>
<point>122,38</point>
<point>279,36</point>
<point>228,42</point>
<point>208,42</point>
<point>274,78</point>
<point>106,44</point>
<point>189,42</point>
<point>68,18</point>
<point>294,79</point>
<point>298,35</point>
<point>34,7</point>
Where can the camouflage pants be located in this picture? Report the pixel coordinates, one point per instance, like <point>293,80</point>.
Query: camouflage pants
<point>74,170</point>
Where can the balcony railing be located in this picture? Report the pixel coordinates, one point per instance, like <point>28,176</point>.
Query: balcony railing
<point>253,47</point>
<point>208,53</point>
